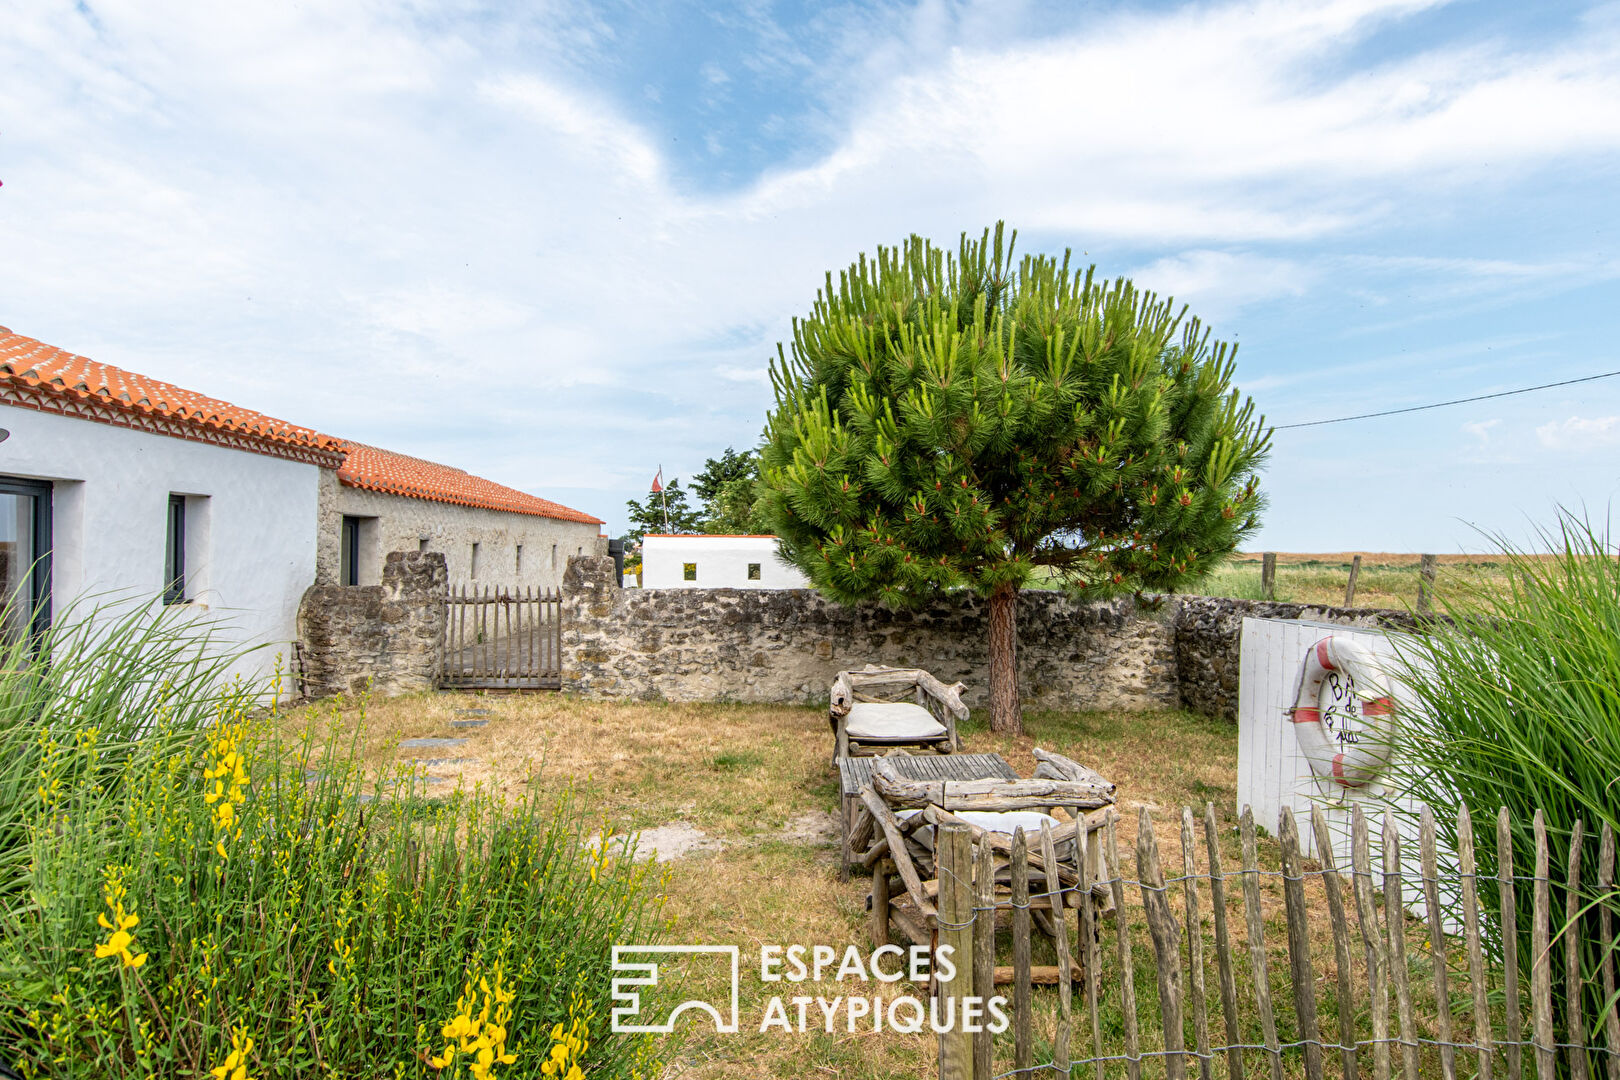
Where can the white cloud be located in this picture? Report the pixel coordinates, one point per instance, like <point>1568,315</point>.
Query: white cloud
<point>1580,434</point>
<point>309,206</point>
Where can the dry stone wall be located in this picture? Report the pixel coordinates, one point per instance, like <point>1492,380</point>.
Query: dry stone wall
<point>786,645</point>
<point>386,636</point>
<point>1209,633</point>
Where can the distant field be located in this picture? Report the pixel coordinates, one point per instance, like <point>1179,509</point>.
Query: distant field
<point>1387,579</point>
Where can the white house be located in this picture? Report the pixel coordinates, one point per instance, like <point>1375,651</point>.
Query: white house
<point>716,562</point>
<point>113,484</point>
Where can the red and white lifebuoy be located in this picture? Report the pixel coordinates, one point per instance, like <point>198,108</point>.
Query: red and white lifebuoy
<point>1351,758</point>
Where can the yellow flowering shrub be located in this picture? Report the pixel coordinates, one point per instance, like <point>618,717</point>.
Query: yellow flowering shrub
<point>248,881</point>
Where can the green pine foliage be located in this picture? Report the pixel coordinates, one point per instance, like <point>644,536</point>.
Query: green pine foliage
<point>948,420</point>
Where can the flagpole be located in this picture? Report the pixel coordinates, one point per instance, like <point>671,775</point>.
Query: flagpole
<point>663,500</point>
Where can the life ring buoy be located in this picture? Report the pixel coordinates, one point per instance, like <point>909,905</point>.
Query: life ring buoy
<point>1357,761</point>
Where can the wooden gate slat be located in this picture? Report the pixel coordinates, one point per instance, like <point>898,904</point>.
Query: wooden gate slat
<point>1257,942</point>
<point>1476,957</point>
<point>1223,944</point>
<point>1301,971</point>
<point>1341,943</point>
<point>1127,968</point>
<point>1395,926</point>
<point>1372,942</point>
<point>1507,889</point>
<point>1195,944</point>
<point>1437,944</point>
<point>1575,1025</point>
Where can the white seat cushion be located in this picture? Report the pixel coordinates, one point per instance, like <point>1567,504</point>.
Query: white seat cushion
<point>1007,821</point>
<point>885,721</point>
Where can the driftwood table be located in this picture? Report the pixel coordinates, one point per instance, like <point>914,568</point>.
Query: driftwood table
<point>855,773</point>
<point>1059,811</point>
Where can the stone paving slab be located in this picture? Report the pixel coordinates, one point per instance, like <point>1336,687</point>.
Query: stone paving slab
<point>430,744</point>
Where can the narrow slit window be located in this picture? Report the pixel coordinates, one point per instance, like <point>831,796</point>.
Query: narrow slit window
<point>520,558</point>
<point>174,555</point>
<point>422,544</point>
<point>554,556</point>
<point>349,559</point>
<point>753,571</point>
<point>689,571</point>
<point>474,567</point>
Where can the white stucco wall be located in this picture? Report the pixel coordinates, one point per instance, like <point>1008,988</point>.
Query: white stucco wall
<point>401,523</point>
<point>722,563</point>
<point>250,522</point>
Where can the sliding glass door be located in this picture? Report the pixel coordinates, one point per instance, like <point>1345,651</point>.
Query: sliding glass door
<point>25,557</point>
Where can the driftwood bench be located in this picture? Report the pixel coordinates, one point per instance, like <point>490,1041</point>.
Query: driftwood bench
<point>1059,809</point>
<point>877,709</point>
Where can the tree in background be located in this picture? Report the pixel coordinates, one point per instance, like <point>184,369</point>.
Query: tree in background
<point>948,420</point>
<point>650,517</point>
<point>727,487</point>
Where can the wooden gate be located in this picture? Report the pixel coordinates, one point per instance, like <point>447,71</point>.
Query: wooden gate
<point>502,639</point>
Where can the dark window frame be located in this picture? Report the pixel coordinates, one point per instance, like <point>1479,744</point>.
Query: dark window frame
<point>39,578</point>
<point>174,552</point>
<point>753,571</point>
<point>349,550</point>
<point>689,571</point>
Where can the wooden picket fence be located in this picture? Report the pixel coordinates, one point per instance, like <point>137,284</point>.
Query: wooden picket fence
<point>502,638</point>
<point>1493,1025</point>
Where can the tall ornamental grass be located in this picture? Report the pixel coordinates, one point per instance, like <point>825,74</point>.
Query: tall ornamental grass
<point>141,680</point>
<point>1518,706</point>
<point>218,899</point>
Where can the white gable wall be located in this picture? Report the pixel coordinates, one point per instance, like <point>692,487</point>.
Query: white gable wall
<point>251,542</point>
<point>722,563</point>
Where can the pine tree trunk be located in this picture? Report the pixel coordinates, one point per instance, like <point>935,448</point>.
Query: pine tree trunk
<point>1006,714</point>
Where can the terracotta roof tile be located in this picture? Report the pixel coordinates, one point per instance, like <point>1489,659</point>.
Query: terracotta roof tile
<point>40,376</point>
<point>375,469</point>
<point>59,381</point>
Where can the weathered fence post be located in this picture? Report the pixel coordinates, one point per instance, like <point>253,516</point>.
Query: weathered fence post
<point>1223,944</point>
<point>1166,946</point>
<point>1023,1052</point>
<point>1426,571</point>
<point>1372,943</point>
<point>1575,1025</point>
<point>953,855</point>
<point>1507,890</point>
<point>1065,965</point>
<point>1395,926</point>
<point>1541,960</point>
<point>1350,589</point>
<point>1301,972</point>
<point>1195,943</point>
<point>1127,967</point>
<point>984,951</point>
<point>1268,576</point>
<point>1341,943</point>
<point>1476,958</point>
<point>1257,942</point>
<point>1437,944</point>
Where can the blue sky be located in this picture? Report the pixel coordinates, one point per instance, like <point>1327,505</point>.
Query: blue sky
<point>555,243</point>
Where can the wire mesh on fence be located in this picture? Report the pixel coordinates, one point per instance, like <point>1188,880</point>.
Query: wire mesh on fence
<point>1391,971</point>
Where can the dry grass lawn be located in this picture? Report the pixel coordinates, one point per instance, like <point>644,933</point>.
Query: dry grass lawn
<point>758,779</point>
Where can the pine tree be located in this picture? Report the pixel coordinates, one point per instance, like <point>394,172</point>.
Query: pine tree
<point>947,421</point>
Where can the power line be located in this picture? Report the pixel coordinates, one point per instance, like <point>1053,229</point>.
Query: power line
<point>1443,404</point>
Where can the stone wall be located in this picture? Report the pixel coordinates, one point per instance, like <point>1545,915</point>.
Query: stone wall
<point>402,523</point>
<point>1208,640</point>
<point>786,645</point>
<point>387,636</point>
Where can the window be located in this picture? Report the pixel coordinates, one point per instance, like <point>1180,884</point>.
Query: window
<point>474,568</point>
<point>554,556</point>
<point>349,558</point>
<point>422,543</point>
<point>753,571</point>
<point>25,557</point>
<point>174,554</point>
<point>520,558</point>
<point>689,571</point>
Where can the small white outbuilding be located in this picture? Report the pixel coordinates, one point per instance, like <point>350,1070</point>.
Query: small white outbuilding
<point>716,562</point>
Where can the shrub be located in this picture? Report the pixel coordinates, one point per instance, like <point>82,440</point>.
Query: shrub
<point>1518,706</point>
<point>230,898</point>
<point>138,681</point>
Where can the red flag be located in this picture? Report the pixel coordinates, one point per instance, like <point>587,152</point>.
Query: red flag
<point>657,486</point>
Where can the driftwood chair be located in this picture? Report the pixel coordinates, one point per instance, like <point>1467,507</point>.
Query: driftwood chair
<point>877,709</point>
<point>894,836</point>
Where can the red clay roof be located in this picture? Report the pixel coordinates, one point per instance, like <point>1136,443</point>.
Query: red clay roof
<point>39,376</point>
<point>54,380</point>
<point>375,469</point>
